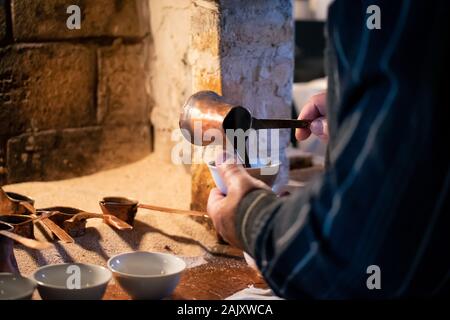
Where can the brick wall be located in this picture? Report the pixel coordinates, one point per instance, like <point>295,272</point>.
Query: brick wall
<point>244,51</point>
<point>72,101</point>
<point>257,62</point>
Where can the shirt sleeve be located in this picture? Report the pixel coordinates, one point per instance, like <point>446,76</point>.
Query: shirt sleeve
<point>318,243</point>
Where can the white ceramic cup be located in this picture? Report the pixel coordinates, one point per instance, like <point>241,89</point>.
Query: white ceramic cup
<point>147,275</point>
<point>266,173</point>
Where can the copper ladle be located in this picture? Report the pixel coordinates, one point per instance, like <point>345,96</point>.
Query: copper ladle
<point>207,110</point>
<point>15,203</point>
<point>73,220</point>
<point>125,209</point>
<point>23,224</point>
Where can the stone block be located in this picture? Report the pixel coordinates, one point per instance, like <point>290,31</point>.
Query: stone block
<point>121,145</point>
<point>46,19</point>
<point>122,89</point>
<point>49,86</point>
<point>253,27</point>
<point>3,23</point>
<point>52,154</point>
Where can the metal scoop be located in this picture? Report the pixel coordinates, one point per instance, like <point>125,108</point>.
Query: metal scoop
<point>73,220</point>
<point>125,209</point>
<point>207,110</point>
<point>23,224</point>
<point>15,203</point>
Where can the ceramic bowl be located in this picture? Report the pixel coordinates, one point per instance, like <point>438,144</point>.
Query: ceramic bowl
<point>15,287</point>
<point>147,275</point>
<point>72,281</point>
<point>266,173</point>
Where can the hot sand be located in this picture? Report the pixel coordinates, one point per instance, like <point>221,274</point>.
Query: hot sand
<point>151,181</point>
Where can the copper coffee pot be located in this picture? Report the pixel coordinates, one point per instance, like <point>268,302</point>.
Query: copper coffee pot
<point>206,110</point>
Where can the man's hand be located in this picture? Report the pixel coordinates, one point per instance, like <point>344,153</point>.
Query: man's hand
<point>222,209</point>
<point>314,109</point>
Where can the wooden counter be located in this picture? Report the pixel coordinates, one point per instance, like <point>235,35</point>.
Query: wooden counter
<point>219,278</point>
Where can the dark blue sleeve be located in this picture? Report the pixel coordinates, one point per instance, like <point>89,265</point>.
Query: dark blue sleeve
<point>376,204</point>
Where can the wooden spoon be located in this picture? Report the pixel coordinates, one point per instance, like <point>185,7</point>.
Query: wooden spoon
<point>29,243</point>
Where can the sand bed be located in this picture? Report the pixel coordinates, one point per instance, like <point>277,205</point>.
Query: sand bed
<point>151,181</point>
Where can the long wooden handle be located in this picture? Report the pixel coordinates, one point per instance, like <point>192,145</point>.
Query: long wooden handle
<point>28,206</point>
<point>115,222</point>
<point>60,233</point>
<point>57,230</point>
<point>29,243</point>
<point>279,123</point>
<point>171,210</point>
<point>109,219</point>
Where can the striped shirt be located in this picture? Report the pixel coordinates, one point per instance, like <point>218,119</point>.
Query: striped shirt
<point>384,198</point>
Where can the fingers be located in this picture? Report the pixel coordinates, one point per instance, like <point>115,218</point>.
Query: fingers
<point>319,127</point>
<point>214,202</point>
<point>231,173</point>
<point>222,212</point>
<point>313,109</point>
<point>215,196</point>
<point>302,133</point>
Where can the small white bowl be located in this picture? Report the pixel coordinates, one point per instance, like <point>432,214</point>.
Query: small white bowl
<point>267,174</point>
<point>58,282</point>
<point>15,287</point>
<point>147,275</point>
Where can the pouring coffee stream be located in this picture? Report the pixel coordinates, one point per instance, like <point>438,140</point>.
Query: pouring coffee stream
<point>206,110</point>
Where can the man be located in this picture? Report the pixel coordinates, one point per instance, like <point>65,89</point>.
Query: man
<point>383,203</point>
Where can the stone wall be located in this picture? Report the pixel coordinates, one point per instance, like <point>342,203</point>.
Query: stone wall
<point>72,101</point>
<point>257,62</point>
<point>244,51</point>
<point>170,68</point>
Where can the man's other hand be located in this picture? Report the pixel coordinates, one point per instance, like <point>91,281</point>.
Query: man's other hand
<point>222,208</point>
<point>315,110</point>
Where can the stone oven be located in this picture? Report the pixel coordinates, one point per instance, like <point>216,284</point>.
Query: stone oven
<point>77,101</point>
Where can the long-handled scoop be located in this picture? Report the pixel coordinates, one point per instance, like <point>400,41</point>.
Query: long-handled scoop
<point>206,110</point>
<point>172,210</point>
<point>14,203</point>
<point>53,227</point>
<point>73,220</point>
<point>125,209</point>
<point>29,243</point>
<point>109,219</point>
